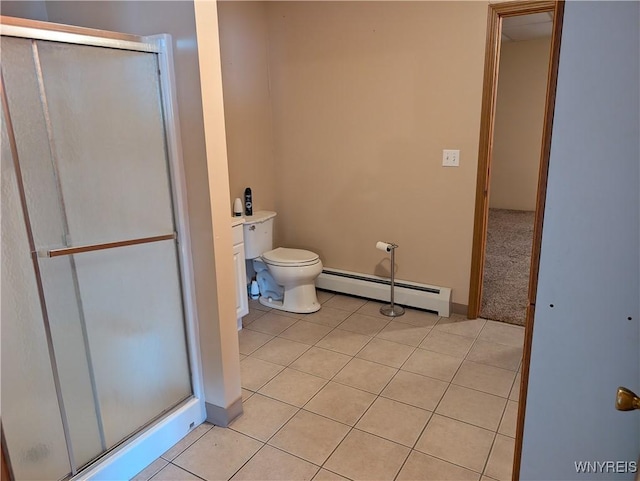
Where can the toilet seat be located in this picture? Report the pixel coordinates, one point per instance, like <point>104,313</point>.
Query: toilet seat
<point>285,257</point>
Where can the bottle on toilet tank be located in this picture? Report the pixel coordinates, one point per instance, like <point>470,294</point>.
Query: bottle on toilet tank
<point>248,202</point>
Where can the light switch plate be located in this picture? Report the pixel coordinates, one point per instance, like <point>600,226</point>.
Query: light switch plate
<point>450,158</point>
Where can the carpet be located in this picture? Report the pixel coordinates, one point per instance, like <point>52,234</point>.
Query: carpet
<point>506,268</point>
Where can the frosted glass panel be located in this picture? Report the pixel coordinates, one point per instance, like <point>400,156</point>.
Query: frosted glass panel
<point>30,131</point>
<point>133,310</point>
<point>30,412</point>
<point>90,137</point>
<point>47,225</point>
<point>109,139</point>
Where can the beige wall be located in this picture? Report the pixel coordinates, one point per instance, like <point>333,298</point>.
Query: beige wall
<point>245,69</point>
<point>205,164</point>
<point>522,87</point>
<point>365,95</point>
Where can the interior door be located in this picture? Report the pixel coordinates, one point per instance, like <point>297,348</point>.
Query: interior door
<point>586,337</point>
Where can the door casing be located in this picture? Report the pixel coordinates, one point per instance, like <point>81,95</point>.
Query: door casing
<point>497,12</point>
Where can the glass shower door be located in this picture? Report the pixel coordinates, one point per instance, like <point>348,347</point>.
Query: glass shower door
<point>91,145</point>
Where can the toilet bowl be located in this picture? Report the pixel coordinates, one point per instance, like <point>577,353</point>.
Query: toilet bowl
<point>286,277</point>
<point>296,271</point>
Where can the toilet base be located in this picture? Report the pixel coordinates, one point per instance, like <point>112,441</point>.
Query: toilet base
<point>298,299</point>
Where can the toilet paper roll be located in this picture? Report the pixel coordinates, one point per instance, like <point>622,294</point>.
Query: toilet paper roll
<point>383,246</point>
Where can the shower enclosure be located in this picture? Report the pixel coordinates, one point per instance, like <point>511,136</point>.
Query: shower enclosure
<point>96,298</point>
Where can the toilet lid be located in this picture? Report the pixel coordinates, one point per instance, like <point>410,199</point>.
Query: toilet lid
<point>283,256</point>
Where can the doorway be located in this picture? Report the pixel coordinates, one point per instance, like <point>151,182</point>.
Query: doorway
<point>515,163</point>
<point>95,310</point>
<point>497,15</point>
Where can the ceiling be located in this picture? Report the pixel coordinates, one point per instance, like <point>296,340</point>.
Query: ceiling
<point>527,27</point>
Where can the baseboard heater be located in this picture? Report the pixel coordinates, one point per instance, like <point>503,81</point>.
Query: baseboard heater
<point>423,296</point>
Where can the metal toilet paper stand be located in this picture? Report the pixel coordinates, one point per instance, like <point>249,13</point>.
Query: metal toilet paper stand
<point>392,310</point>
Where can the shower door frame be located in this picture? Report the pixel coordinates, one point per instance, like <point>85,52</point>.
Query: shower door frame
<point>144,446</point>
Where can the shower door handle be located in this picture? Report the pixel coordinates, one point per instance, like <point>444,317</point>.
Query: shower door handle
<point>68,251</point>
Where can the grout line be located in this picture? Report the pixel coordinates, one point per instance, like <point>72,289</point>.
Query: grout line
<point>190,444</point>
<point>486,461</point>
<point>403,464</point>
<point>247,461</point>
<point>294,455</point>
<point>181,468</point>
<point>148,478</point>
<point>451,462</point>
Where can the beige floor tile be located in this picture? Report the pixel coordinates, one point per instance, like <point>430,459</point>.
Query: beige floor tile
<point>500,462</point>
<point>482,377</point>
<point>218,454</point>
<point>423,392</point>
<point>420,467</point>
<point>246,394</point>
<point>174,473</point>
<point>255,373</point>
<point>509,420</point>
<point>347,303</point>
<point>457,442</point>
<point>255,304</point>
<point>306,332</point>
<point>394,421</point>
<point>293,387</point>
<point>251,340</point>
<point>150,470</point>
<point>366,375</point>
<point>328,316</point>
<point>514,395</point>
<point>262,417</point>
<point>324,475</point>
<point>445,343</point>
<point>310,437</point>
<point>252,316</point>
<point>367,457</point>
<point>432,364</point>
<point>272,323</point>
<point>417,317</point>
<point>372,308</point>
<point>242,356</point>
<point>344,341</point>
<point>195,434</point>
<point>460,325</point>
<point>498,355</point>
<point>404,333</point>
<point>280,351</point>
<point>321,362</point>
<point>367,325</point>
<point>473,407</point>
<point>502,333</point>
<point>272,464</point>
<point>386,352</point>
<point>323,296</point>
<point>341,403</point>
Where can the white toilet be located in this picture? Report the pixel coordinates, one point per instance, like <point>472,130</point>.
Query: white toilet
<point>286,277</point>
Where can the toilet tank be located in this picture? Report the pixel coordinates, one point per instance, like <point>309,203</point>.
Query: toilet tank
<point>258,233</point>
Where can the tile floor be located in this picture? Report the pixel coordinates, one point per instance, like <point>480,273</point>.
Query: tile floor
<point>346,393</point>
